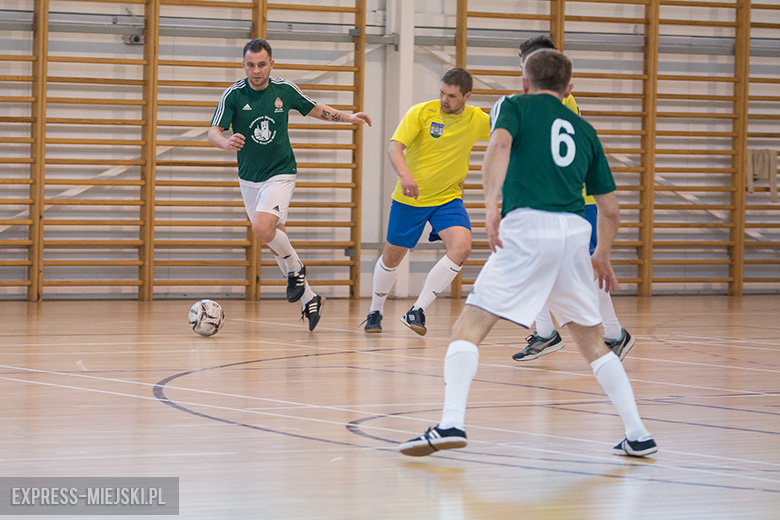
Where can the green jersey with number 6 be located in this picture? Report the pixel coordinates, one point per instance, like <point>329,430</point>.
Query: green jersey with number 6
<point>554,151</point>
<point>261,117</point>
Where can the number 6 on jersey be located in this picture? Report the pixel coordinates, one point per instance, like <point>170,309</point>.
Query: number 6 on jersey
<point>562,131</point>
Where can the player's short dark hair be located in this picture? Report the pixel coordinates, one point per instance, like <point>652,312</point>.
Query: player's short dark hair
<point>548,69</point>
<point>257,45</point>
<point>460,78</point>
<point>534,44</point>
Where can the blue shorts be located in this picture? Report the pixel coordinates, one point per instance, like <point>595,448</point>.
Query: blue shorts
<point>591,215</point>
<point>406,223</point>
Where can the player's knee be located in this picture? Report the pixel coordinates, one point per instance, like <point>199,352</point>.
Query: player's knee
<point>460,253</point>
<point>265,233</point>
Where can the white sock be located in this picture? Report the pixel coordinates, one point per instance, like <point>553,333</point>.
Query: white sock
<point>610,373</point>
<point>282,265</point>
<point>612,328</point>
<point>440,277</point>
<point>281,244</point>
<point>308,294</point>
<point>384,278</point>
<point>544,323</point>
<point>460,367</point>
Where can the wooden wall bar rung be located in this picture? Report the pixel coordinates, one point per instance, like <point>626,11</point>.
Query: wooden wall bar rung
<point>202,263</point>
<point>696,3</point>
<point>313,8</point>
<point>82,121</point>
<point>604,19</point>
<point>90,222</point>
<point>203,223</point>
<point>92,263</point>
<point>109,1</point>
<point>698,23</point>
<point>91,283</point>
<point>507,16</point>
<point>94,60</point>
<point>208,3</point>
<point>95,81</point>
<point>199,282</point>
<point>715,79</point>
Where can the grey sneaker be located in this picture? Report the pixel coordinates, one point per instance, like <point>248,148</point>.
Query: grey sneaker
<point>373,322</point>
<point>433,440</point>
<point>620,346</point>
<point>415,320</point>
<point>638,448</point>
<point>539,346</point>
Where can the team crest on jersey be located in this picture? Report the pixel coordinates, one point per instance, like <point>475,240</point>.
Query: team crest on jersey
<point>279,105</point>
<point>437,129</point>
<point>262,130</point>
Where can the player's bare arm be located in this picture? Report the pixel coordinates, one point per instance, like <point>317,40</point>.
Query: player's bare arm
<point>327,113</point>
<point>395,152</point>
<point>606,230</point>
<point>493,174</point>
<point>216,136</point>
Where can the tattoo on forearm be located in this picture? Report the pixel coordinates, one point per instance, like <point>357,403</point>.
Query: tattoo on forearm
<point>330,117</point>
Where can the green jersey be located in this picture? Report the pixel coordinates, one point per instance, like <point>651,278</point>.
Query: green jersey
<point>554,151</point>
<point>261,116</point>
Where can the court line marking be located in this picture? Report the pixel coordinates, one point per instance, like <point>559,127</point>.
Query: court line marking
<point>488,344</point>
<point>511,367</point>
<point>383,429</point>
<point>502,366</point>
<point>259,412</point>
<point>127,456</point>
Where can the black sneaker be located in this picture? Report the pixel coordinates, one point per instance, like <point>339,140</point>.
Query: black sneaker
<point>415,320</point>
<point>638,448</point>
<point>374,322</point>
<point>312,311</point>
<point>296,285</point>
<point>433,440</point>
<point>620,346</point>
<point>539,346</point>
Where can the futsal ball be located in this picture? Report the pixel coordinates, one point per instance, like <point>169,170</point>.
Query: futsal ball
<point>206,317</point>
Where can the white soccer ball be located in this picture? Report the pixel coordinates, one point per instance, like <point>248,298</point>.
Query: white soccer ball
<point>206,317</point>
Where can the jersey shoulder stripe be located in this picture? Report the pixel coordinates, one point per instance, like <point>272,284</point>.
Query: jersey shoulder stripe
<point>496,112</point>
<point>221,106</point>
<point>282,81</point>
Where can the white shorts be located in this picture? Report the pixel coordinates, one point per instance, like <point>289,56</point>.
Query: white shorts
<point>545,258</point>
<point>271,196</point>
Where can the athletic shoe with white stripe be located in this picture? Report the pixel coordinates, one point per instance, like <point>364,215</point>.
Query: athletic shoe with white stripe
<point>433,440</point>
<point>620,346</point>
<point>296,284</point>
<point>539,346</point>
<point>642,447</point>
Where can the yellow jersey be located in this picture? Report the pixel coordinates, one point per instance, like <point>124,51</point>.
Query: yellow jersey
<point>438,150</point>
<point>570,103</point>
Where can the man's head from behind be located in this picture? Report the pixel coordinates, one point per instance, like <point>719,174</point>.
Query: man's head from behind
<point>547,69</point>
<point>456,85</point>
<point>532,45</point>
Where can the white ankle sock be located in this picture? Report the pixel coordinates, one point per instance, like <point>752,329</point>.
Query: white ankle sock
<point>440,277</point>
<point>308,294</point>
<point>610,373</point>
<point>460,367</point>
<point>544,323</point>
<point>384,278</point>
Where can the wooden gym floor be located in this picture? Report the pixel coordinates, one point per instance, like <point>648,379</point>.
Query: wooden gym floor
<point>266,420</point>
